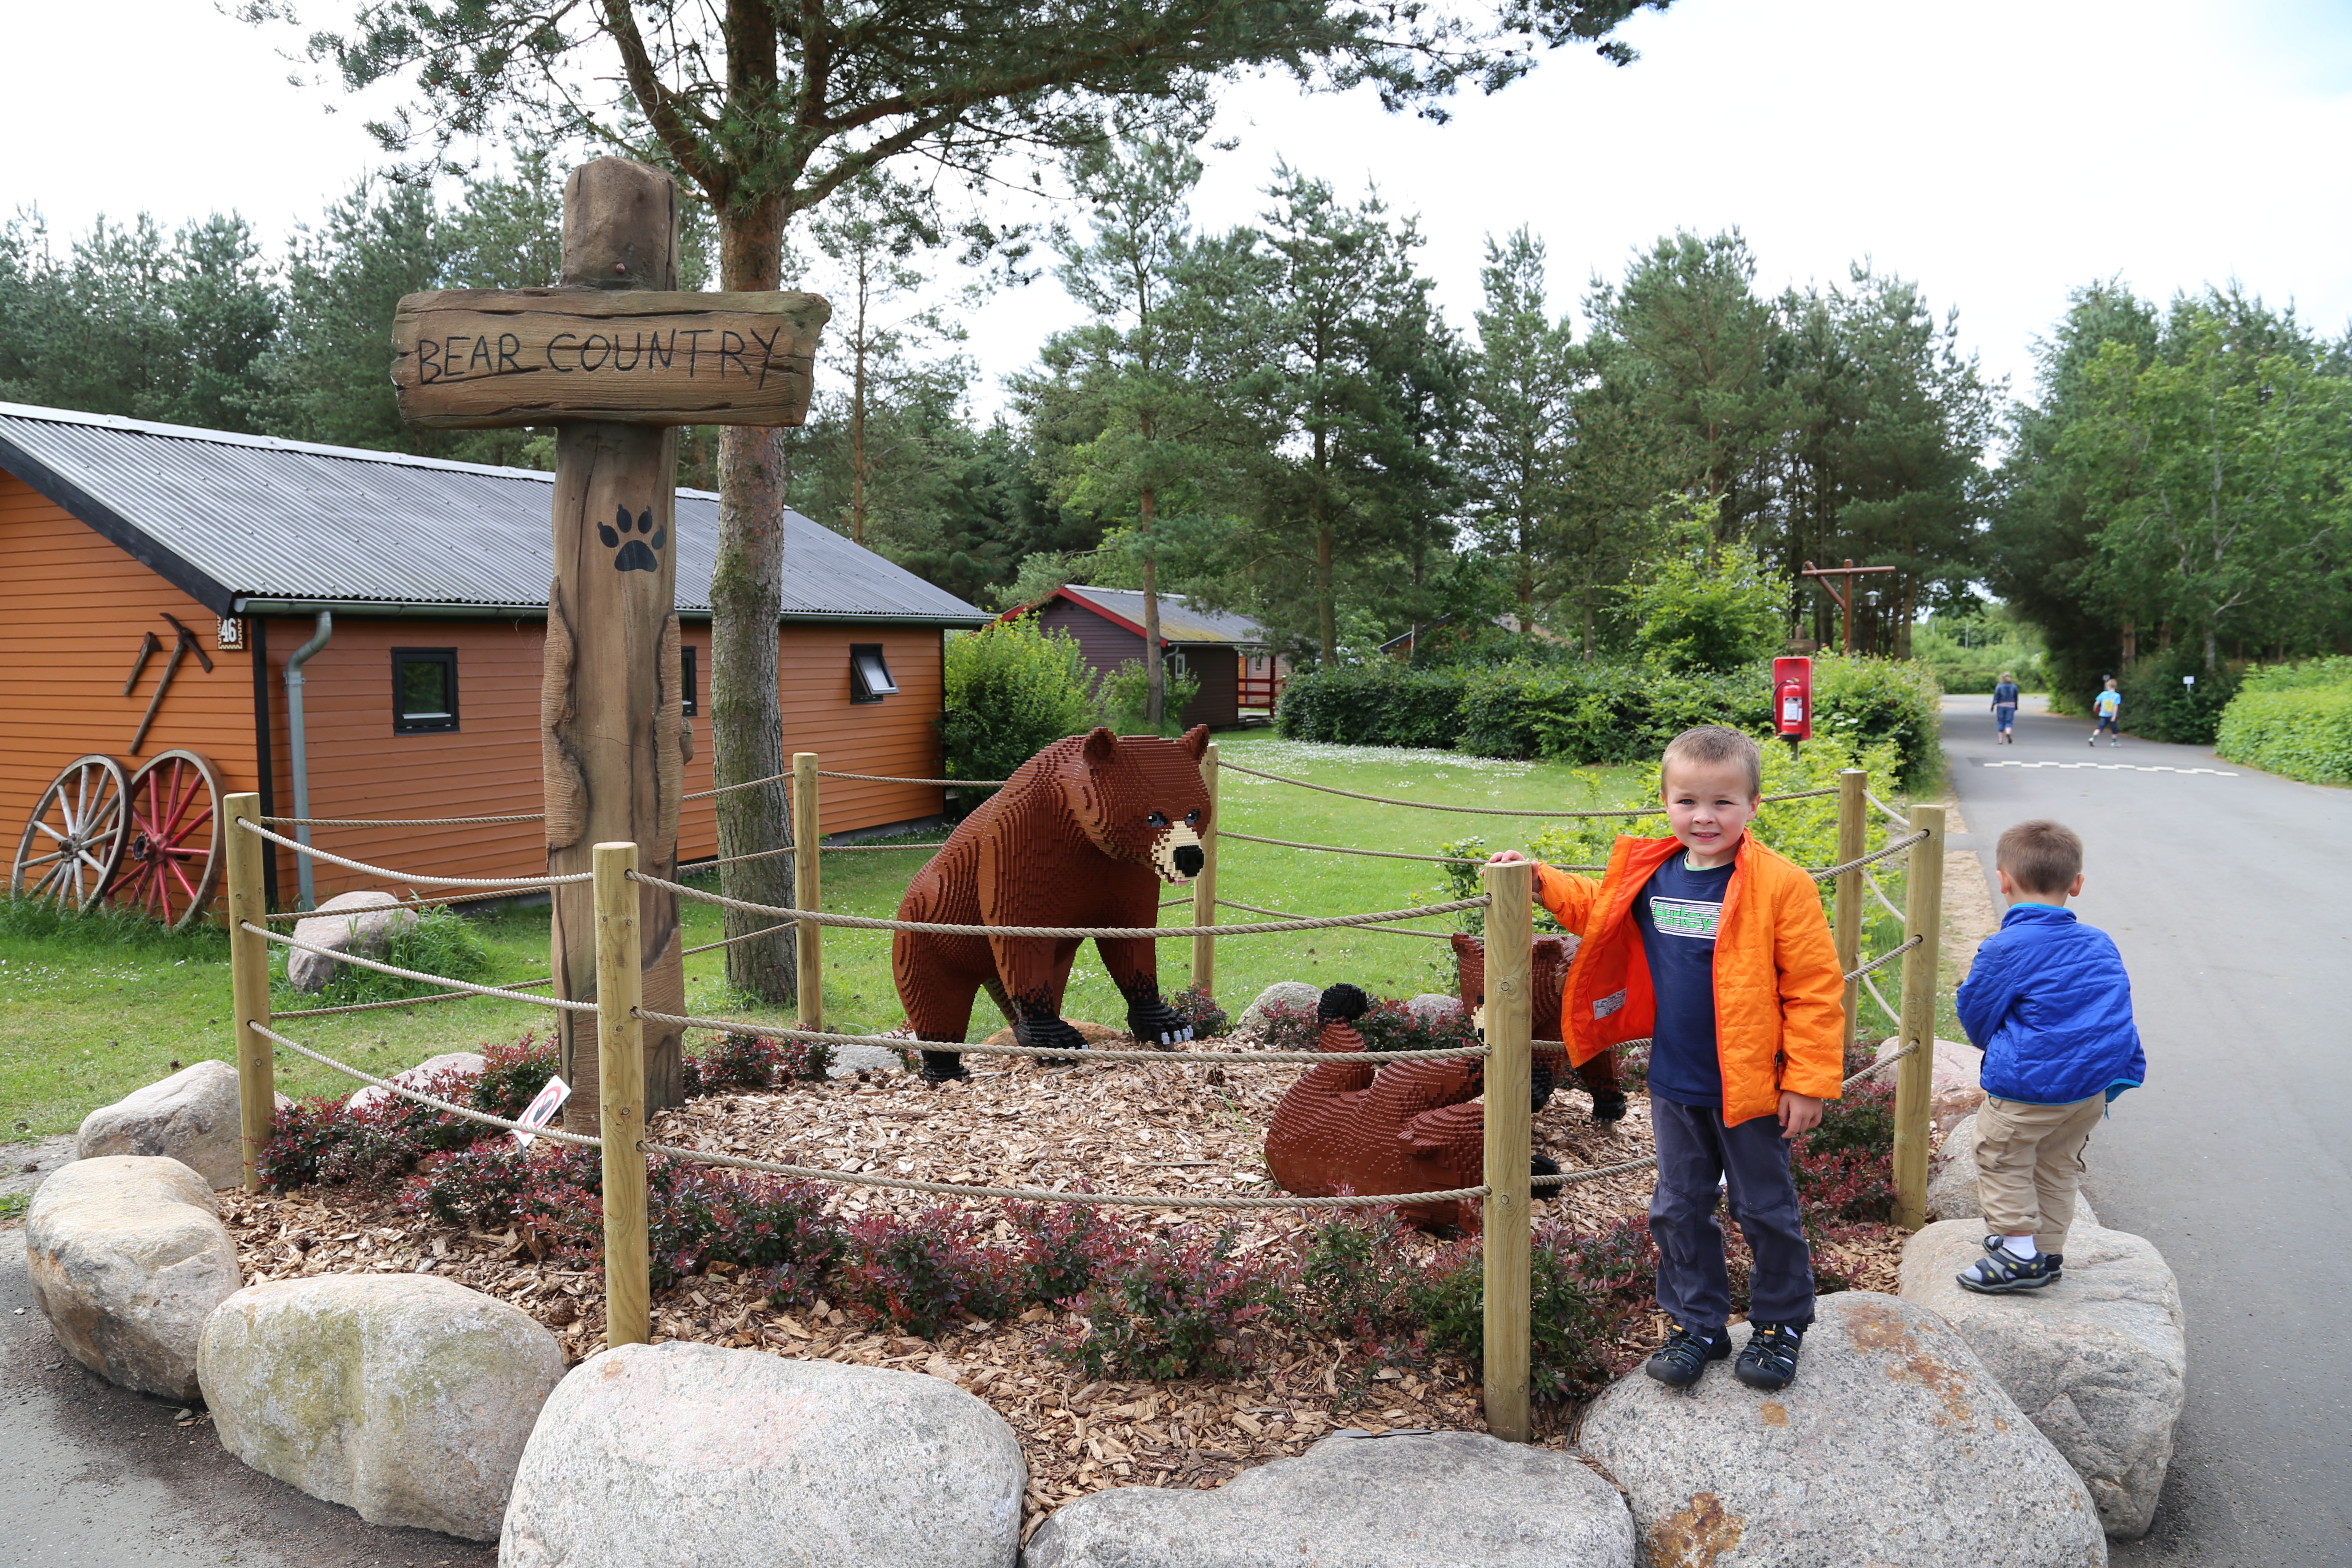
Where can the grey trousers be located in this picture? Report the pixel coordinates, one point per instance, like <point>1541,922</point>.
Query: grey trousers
<point>1696,1150</point>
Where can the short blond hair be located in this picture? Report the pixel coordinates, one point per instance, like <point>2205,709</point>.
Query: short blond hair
<point>1712,745</point>
<point>2040,856</point>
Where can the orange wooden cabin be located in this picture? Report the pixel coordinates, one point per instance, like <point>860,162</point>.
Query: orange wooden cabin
<point>424,701</point>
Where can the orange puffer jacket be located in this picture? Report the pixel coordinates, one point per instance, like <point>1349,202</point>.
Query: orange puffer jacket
<point>1780,994</point>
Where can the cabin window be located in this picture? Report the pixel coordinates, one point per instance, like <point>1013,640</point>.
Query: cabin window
<point>689,681</point>
<point>869,673</point>
<point>424,689</point>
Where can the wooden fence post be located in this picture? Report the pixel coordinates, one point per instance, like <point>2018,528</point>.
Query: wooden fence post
<point>1510,955</point>
<point>1204,885</point>
<point>1914,1076</point>
<point>1852,836</point>
<point>621,1106</point>
<point>248,968</point>
<point>808,891</point>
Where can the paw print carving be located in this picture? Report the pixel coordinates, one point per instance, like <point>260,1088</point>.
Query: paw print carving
<point>634,555</point>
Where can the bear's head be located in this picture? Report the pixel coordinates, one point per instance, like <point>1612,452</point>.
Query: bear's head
<point>1552,956</point>
<point>1140,799</point>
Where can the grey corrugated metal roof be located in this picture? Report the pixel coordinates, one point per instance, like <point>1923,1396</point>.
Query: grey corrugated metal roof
<point>247,518</point>
<point>1178,620</point>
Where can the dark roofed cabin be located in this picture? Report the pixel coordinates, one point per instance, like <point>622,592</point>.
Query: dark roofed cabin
<point>425,701</point>
<point>1230,654</point>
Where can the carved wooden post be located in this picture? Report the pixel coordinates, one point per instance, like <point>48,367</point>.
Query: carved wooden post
<point>614,360</point>
<point>610,708</point>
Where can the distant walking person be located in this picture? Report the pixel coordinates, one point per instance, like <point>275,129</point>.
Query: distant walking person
<point>2107,705</point>
<point>2004,707</point>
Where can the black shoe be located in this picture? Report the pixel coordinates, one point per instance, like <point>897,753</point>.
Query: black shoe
<point>1685,1355</point>
<point>1608,1105</point>
<point>2000,1270</point>
<point>1770,1358</point>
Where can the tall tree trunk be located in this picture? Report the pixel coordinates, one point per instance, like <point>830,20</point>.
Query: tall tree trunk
<point>747,725</point>
<point>1326,613</point>
<point>1155,668</point>
<point>858,415</point>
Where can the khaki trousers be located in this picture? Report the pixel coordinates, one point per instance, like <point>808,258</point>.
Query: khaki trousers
<point>2029,1165</point>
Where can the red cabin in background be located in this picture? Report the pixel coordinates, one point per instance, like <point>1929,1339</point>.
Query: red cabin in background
<point>1241,676</point>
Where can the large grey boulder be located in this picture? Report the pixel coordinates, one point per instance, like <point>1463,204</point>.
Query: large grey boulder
<point>128,1257</point>
<point>191,1116</point>
<point>406,1396</point>
<point>1434,1499</point>
<point>2098,1361</point>
<point>1894,1447</point>
<point>348,922</point>
<point>688,1456</point>
<point>417,1076</point>
<point>1952,1181</point>
<point>1955,1090</point>
<point>1282,992</point>
<point>1430,1007</point>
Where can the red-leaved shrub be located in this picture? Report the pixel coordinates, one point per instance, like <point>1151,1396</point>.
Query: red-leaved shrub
<point>928,1272</point>
<point>1174,1307</point>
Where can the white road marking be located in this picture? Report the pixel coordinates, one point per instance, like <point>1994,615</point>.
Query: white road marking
<point>2116,767</point>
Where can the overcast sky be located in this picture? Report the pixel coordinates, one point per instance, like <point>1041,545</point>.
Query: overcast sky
<point>1998,152</point>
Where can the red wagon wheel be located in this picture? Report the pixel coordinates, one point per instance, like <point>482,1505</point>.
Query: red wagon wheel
<point>173,857</point>
<point>74,839</point>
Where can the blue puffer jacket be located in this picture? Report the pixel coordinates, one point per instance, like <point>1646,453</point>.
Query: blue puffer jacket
<point>2050,1006</point>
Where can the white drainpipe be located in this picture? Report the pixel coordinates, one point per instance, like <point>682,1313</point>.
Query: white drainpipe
<point>301,758</point>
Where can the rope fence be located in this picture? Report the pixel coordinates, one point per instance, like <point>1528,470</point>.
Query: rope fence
<point>1493,810</point>
<point>1507,1047</point>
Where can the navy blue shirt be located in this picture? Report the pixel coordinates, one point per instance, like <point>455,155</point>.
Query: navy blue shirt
<point>1678,911</point>
<point>2004,695</point>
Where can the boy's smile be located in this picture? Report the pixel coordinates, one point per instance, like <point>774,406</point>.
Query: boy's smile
<point>1708,805</point>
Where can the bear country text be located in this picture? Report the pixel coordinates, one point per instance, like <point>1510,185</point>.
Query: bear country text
<point>476,357</point>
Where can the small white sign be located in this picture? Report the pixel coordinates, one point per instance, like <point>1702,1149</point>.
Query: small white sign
<point>542,1110</point>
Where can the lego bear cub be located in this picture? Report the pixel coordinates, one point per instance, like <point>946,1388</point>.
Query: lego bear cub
<point>1086,833</point>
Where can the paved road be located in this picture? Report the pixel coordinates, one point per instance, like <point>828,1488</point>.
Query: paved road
<point>92,1476</point>
<point>2230,896</point>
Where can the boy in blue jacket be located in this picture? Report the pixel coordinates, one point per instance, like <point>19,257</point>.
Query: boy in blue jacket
<point>2050,1006</point>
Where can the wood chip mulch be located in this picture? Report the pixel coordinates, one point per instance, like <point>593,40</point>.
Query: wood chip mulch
<point>1173,1131</point>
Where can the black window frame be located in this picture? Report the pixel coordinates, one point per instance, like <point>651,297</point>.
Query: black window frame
<point>689,680</point>
<point>859,691</point>
<point>439,725</point>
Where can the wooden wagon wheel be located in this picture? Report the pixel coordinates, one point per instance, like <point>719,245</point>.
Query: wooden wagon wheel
<point>74,839</point>
<point>173,855</point>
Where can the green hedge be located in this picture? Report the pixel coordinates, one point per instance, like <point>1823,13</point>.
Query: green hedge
<point>1595,714</point>
<point>2159,706</point>
<point>2295,720</point>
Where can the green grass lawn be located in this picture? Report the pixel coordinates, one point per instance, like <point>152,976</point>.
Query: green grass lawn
<point>90,1011</point>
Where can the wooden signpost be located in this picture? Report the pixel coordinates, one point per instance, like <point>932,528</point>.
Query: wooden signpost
<point>615,359</point>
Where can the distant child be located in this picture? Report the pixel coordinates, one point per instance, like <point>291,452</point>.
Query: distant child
<point>1715,949</point>
<point>2107,705</point>
<point>2004,707</point>
<point>2049,1005</point>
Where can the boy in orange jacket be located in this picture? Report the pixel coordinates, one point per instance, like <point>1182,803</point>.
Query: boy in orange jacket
<point>1715,948</point>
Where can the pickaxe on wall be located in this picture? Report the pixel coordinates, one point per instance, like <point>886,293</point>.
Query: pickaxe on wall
<point>183,644</point>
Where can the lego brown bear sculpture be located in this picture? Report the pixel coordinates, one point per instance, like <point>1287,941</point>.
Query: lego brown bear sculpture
<point>1400,1127</point>
<point>1086,833</point>
<point>1550,981</point>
